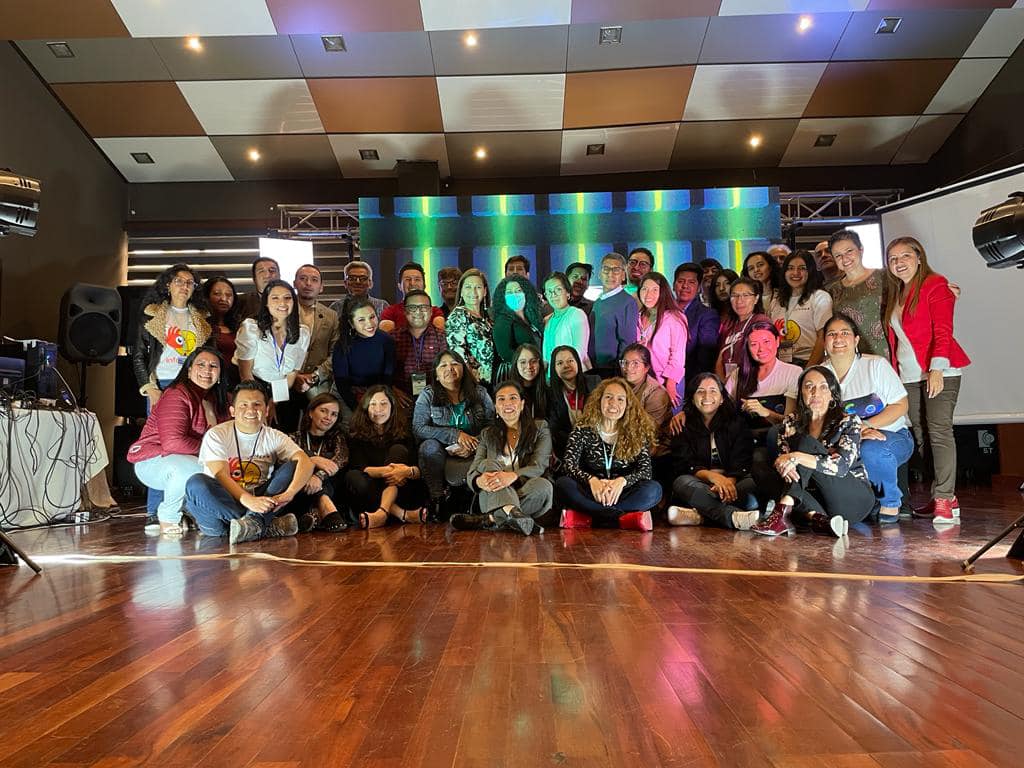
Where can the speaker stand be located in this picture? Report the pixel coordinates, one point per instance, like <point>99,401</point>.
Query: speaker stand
<point>83,370</point>
<point>1016,551</point>
<point>13,552</point>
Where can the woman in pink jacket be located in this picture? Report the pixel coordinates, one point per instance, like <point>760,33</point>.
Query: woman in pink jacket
<point>166,454</point>
<point>919,321</point>
<point>662,328</point>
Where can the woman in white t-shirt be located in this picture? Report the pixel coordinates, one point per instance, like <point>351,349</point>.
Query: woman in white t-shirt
<point>763,385</point>
<point>801,309</point>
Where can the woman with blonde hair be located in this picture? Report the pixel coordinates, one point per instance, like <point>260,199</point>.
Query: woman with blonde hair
<point>607,462</point>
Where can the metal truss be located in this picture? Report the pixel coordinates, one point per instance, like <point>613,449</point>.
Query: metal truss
<point>834,207</point>
<point>323,222</point>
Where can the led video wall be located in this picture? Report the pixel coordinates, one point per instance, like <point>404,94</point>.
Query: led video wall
<point>554,230</point>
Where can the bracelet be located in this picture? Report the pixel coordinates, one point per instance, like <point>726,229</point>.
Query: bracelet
<point>322,474</point>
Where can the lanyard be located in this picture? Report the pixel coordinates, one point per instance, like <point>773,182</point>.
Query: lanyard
<point>279,358</point>
<point>608,454</point>
<point>319,447</point>
<point>238,446</point>
<point>418,347</point>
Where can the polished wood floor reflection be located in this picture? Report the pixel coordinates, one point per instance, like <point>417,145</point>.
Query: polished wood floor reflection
<point>241,662</point>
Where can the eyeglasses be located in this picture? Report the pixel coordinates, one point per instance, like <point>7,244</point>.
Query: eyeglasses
<point>638,262</point>
<point>631,363</point>
<point>610,270</point>
<point>357,279</point>
<point>417,308</point>
<point>449,282</point>
<point>556,291</point>
<point>743,296</point>
<point>181,282</point>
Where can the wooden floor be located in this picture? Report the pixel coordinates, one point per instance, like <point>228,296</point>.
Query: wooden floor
<point>243,662</point>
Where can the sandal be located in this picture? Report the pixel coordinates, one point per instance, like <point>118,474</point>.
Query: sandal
<point>373,519</point>
<point>308,522</point>
<point>412,515</point>
<point>171,529</point>
<point>333,523</point>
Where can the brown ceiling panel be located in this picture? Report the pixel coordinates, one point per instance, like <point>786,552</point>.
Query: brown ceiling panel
<point>280,157</point>
<point>867,88</point>
<point>621,11</point>
<point>726,143</point>
<point>626,96</point>
<point>35,19</point>
<point>129,109</point>
<point>378,104</point>
<point>336,17</point>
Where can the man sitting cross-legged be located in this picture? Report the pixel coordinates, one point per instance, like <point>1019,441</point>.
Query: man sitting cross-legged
<point>251,474</point>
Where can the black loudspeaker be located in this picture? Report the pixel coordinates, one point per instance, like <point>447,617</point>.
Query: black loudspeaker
<point>418,178</point>
<point>90,324</point>
<point>127,400</point>
<point>123,471</point>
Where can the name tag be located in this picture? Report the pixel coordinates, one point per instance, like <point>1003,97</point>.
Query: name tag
<point>419,383</point>
<point>279,390</point>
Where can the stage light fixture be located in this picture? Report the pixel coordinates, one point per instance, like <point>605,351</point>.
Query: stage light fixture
<point>999,233</point>
<point>61,50</point>
<point>480,154</point>
<point>369,154</point>
<point>333,43</point>
<point>194,44</point>
<point>805,23</point>
<point>470,40</point>
<point>19,204</point>
<point>609,36</point>
<point>888,25</point>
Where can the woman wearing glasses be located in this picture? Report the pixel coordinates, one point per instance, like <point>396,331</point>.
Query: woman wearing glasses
<point>566,326</point>
<point>744,308</point>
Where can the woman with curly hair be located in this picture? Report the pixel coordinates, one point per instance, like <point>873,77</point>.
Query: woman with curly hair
<point>517,319</point>
<point>469,330</point>
<point>607,463</point>
<point>320,436</point>
<point>222,299</point>
<point>383,479</point>
<point>662,328</point>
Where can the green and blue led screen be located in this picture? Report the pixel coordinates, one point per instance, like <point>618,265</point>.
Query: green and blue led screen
<point>555,230</point>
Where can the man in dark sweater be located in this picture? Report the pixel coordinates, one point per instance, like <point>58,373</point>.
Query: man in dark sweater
<point>613,317</point>
<point>702,321</point>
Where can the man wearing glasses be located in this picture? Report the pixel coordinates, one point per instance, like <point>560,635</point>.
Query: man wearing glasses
<point>358,282</point>
<point>613,317</point>
<point>417,343</point>
<point>641,261</point>
<point>448,282</point>
<point>411,277</point>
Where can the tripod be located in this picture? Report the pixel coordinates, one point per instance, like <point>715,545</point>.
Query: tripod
<point>6,543</point>
<point>1016,551</point>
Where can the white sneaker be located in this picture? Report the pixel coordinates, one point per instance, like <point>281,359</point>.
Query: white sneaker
<point>684,516</point>
<point>743,520</point>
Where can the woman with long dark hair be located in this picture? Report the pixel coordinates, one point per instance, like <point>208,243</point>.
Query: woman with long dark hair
<point>320,436</point>
<point>801,309</point>
<point>662,328</point>
<point>508,468</point>
<point>222,299</point>
<point>383,479</point>
<point>919,322</point>
<point>567,394</point>
<point>719,298</point>
<point>469,330</point>
<point>763,385</point>
<point>517,319</point>
<point>364,355</point>
<point>762,268</point>
<point>818,473</point>
<point>712,456</point>
<point>166,454</point>
<point>745,307</point>
<point>528,372</point>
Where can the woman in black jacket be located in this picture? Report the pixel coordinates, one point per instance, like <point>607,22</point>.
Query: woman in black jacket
<point>568,390</point>
<point>712,457</point>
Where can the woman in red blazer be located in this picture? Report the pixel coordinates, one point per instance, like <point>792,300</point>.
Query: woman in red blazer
<point>919,321</point>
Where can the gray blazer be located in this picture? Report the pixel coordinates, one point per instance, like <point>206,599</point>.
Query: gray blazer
<point>532,464</point>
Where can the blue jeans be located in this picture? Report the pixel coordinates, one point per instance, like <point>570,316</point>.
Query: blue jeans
<point>641,497</point>
<point>438,468</point>
<point>154,495</point>
<point>882,459</point>
<point>168,475</point>
<point>214,508</point>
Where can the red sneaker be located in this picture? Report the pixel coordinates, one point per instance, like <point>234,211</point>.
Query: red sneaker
<point>636,521</point>
<point>944,512</point>
<point>573,519</point>
<point>928,510</point>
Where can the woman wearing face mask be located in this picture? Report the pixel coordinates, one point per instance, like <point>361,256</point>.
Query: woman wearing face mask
<point>713,455</point>
<point>508,468</point>
<point>919,323</point>
<point>364,354</point>
<point>383,479</point>
<point>763,269</point>
<point>528,372</point>
<point>763,385</point>
<point>469,330</point>
<point>566,325</point>
<point>166,454</point>
<point>517,319</point>
<point>567,394</point>
<point>662,328</point>
<point>802,308</point>
<point>744,308</point>
<point>320,436</point>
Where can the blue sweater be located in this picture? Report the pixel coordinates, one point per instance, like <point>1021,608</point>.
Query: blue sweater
<point>612,328</point>
<point>366,362</point>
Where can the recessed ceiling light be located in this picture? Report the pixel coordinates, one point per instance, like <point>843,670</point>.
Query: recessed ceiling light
<point>825,140</point>
<point>143,158</point>
<point>333,43</point>
<point>888,25</point>
<point>369,154</point>
<point>595,149</point>
<point>805,23</point>
<point>755,140</point>
<point>254,155</point>
<point>480,154</point>
<point>61,50</point>
<point>609,36</point>
<point>470,39</point>
<point>194,44</point>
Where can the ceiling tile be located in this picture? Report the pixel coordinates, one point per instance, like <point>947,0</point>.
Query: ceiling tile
<point>97,60</point>
<point>644,44</point>
<point>56,19</point>
<point>852,88</point>
<point>390,148</point>
<point>233,107</point>
<point>622,11</point>
<point>251,57</point>
<point>859,141</point>
<point>502,102</point>
<point>743,7</point>
<point>726,144</point>
<point>740,39</point>
<point>930,133</point>
<point>626,96</point>
<point>159,18</point>
<point>1000,35</point>
<point>178,158</point>
<point>333,17</point>
<point>746,91</point>
<point>967,81</point>
<point>897,5</point>
<point>527,153</point>
<point>481,14</point>
<point>374,54</point>
<point>636,148</point>
<point>129,109</point>
<point>378,105</point>
<point>921,35</point>
<point>500,51</point>
<point>280,157</point>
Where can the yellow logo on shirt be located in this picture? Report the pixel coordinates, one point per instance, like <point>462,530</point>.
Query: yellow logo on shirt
<point>182,342</point>
<point>245,473</point>
<point>788,330</point>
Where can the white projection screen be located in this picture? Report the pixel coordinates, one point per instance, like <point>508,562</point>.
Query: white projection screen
<point>989,317</point>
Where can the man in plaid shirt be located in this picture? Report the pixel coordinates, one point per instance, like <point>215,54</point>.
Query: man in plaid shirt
<point>416,346</point>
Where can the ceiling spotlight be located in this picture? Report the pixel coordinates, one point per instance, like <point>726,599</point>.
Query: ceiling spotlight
<point>143,158</point>
<point>369,154</point>
<point>595,149</point>
<point>888,25</point>
<point>609,36</point>
<point>254,155</point>
<point>755,141</point>
<point>825,140</point>
<point>194,44</point>
<point>333,43</point>
<point>480,154</point>
<point>805,23</point>
<point>470,40</point>
<point>61,50</point>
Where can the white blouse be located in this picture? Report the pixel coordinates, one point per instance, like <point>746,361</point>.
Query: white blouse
<point>270,363</point>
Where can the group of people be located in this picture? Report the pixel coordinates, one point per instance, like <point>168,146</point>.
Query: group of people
<point>759,401</point>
